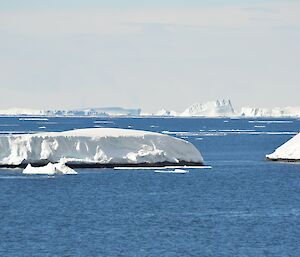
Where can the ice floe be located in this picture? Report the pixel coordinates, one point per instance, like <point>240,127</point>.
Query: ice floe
<point>49,169</point>
<point>176,171</point>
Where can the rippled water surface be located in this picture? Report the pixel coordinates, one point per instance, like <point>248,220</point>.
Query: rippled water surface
<point>242,206</point>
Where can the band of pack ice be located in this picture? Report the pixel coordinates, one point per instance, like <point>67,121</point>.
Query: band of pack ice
<point>289,151</point>
<point>97,147</point>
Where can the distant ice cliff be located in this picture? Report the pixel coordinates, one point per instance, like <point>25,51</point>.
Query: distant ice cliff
<point>218,108</point>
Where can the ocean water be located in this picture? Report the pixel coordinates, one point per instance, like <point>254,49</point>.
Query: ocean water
<point>242,206</point>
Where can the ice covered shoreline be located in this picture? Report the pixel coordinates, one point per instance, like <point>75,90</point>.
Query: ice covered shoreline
<point>98,148</point>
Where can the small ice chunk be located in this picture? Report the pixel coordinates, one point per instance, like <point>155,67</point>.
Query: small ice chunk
<point>176,171</point>
<point>49,169</point>
<point>64,169</point>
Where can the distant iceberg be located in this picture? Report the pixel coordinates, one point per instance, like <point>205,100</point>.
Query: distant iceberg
<point>219,108</point>
<point>106,111</point>
<point>102,112</point>
<point>289,151</point>
<point>164,112</point>
<point>98,147</point>
<point>213,109</point>
<point>224,108</point>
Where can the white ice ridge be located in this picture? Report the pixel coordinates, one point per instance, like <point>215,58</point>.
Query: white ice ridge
<point>96,146</point>
<point>49,169</point>
<point>289,151</point>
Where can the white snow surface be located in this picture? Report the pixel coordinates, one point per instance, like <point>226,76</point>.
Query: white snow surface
<point>288,151</point>
<point>49,169</point>
<point>219,108</point>
<point>274,112</point>
<point>96,146</point>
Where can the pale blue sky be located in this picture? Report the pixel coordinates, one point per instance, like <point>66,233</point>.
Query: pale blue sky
<point>65,54</point>
<point>82,4</point>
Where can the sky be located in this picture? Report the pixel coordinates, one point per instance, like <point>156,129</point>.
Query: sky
<point>148,54</point>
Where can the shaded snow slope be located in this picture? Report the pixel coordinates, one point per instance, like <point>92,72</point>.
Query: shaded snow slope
<point>100,146</point>
<point>289,151</point>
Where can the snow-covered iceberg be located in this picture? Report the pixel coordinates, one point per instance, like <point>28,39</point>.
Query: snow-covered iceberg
<point>164,112</point>
<point>289,151</point>
<point>97,147</point>
<point>219,108</point>
<point>49,169</point>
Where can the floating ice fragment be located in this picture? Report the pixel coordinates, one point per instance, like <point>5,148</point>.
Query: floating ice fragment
<point>49,169</point>
<point>176,171</point>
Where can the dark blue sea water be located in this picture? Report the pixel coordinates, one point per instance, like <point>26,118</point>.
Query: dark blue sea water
<point>242,206</point>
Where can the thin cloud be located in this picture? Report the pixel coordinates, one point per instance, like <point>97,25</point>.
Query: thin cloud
<point>113,22</point>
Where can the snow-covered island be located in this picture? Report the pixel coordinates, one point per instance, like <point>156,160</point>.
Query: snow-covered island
<point>97,147</point>
<point>289,151</point>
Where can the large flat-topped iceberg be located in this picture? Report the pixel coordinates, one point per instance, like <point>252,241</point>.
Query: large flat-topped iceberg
<point>289,151</point>
<point>97,147</point>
